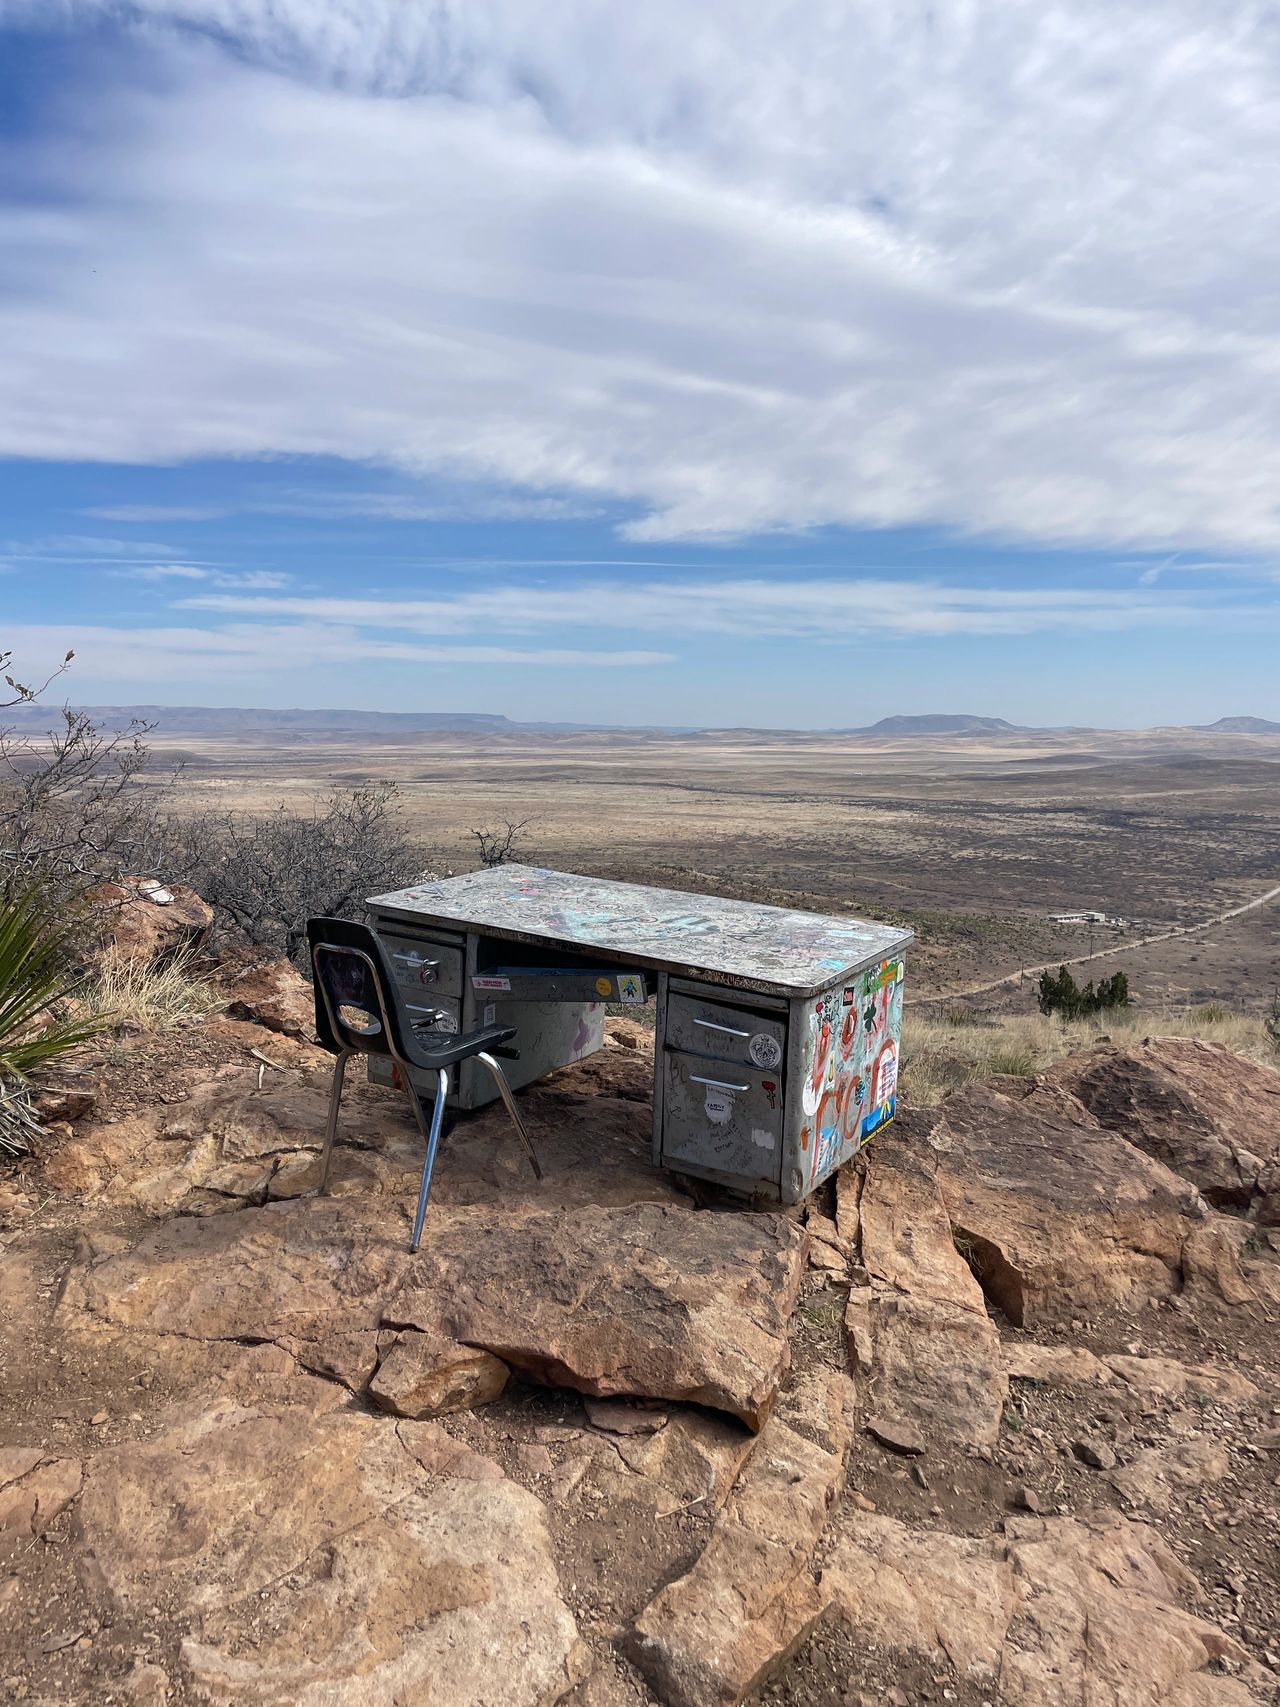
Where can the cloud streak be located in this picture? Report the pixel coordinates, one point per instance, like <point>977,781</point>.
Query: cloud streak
<point>987,268</point>
<point>835,611</point>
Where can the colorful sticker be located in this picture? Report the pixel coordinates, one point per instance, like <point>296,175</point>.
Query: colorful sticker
<point>480,982</point>
<point>765,1050</point>
<point>630,988</point>
<point>604,987</point>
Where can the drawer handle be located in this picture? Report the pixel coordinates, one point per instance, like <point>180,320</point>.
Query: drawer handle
<point>729,1030</point>
<point>414,959</point>
<point>716,1084</point>
<point>417,1008</point>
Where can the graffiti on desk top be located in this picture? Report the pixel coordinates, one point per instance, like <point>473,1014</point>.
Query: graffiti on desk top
<point>850,1067</point>
<point>736,938</point>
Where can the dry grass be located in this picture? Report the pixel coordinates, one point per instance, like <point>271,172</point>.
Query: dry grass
<point>938,1055</point>
<point>132,996</point>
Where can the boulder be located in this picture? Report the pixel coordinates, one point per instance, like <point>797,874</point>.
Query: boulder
<point>751,1598</point>
<point>1055,1213</point>
<point>649,1299</point>
<point>274,994</point>
<point>422,1376</point>
<point>142,921</point>
<point>1060,1609</point>
<point>332,1559</point>
<point>1207,1113</point>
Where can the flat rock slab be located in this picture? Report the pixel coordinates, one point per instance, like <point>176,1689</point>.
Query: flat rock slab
<point>1058,1610</point>
<point>1204,1111</point>
<point>332,1559</point>
<point>651,1299</point>
<point>1162,1377</point>
<point>1055,1213</point>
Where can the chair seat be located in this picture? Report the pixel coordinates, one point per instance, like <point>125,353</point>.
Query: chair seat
<point>435,1049</point>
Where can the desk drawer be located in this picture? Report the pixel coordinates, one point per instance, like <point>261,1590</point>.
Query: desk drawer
<point>703,1027</point>
<point>722,1117</point>
<point>419,964</point>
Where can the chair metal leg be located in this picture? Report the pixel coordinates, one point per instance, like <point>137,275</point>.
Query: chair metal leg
<point>504,1091</point>
<point>432,1137</point>
<point>330,1131</point>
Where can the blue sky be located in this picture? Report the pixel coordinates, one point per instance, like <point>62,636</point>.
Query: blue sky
<point>644,368</point>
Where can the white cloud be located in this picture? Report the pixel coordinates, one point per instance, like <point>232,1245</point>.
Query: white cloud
<point>246,581</point>
<point>834,610</point>
<point>163,655</point>
<point>993,267</point>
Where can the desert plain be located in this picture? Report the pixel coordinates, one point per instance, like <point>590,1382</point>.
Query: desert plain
<point>973,841</point>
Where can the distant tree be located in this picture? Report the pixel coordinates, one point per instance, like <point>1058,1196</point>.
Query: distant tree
<point>1059,993</point>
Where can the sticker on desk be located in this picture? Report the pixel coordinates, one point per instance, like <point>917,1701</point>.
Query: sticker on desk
<point>483,982</point>
<point>604,986</point>
<point>765,1050</point>
<point>719,1107</point>
<point>762,1138</point>
<point>489,1015</point>
<point>630,988</point>
<point>446,1022</point>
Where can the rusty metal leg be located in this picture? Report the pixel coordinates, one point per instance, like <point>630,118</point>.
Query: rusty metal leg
<point>330,1131</point>
<point>432,1138</point>
<point>504,1091</point>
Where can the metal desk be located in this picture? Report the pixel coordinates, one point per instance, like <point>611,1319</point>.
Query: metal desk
<point>778,1032</point>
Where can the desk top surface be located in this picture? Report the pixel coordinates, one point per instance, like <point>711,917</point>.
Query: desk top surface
<point>770,949</point>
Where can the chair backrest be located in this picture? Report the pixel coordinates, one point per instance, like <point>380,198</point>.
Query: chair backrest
<point>357,1003</point>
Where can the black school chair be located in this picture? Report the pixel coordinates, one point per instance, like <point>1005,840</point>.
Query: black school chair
<point>359,1011</point>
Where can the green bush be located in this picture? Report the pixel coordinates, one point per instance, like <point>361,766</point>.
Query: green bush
<point>1060,994</point>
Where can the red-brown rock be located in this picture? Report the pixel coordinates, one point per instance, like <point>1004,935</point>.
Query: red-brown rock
<point>1207,1113</point>
<point>143,921</point>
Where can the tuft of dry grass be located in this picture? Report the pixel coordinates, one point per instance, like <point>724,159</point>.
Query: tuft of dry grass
<point>940,1054</point>
<point>129,995</point>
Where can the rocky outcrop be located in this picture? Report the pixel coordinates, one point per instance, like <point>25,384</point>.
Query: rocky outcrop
<point>751,1598</point>
<point>1060,1609</point>
<point>274,994</point>
<point>1054,1213</point>
<point>650,1299</point>
<point>919,1331</point>
<point>143,922</point>
<point>1162,1377</point>
<point>331,1559</point>
<point>1207,1113</point>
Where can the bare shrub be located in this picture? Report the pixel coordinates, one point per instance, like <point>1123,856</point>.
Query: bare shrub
<point>500,843</point>
<point>270,872</point>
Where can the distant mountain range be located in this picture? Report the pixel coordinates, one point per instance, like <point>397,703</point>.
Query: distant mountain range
<point>259,724</point>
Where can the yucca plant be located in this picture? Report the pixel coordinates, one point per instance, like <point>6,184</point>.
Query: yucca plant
<point>38,937</point>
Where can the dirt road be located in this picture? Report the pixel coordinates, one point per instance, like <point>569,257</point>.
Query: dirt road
<point>1126,947</point>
